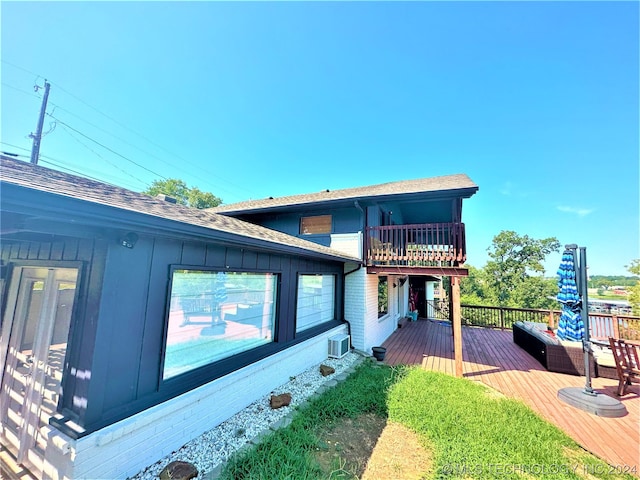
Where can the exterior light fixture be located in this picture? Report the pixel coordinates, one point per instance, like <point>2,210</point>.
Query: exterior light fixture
<point>129,240</point>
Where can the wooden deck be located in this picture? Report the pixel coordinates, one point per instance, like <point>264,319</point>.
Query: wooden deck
<point>491,357</point>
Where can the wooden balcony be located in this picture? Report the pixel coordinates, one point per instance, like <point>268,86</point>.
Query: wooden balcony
<point>491,357</point>
<point>416,246</point>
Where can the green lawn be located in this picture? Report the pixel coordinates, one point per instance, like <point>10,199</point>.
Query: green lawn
<point>471,431</point>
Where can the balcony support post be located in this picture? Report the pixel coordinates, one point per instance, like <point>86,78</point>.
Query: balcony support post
<point>457,325</point>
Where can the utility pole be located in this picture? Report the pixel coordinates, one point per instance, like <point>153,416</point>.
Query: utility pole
<point>35,150</point>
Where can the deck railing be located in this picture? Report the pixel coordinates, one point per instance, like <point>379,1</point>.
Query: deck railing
<point>416,245</point>
<point>438,309</point>
<point>600,324</point>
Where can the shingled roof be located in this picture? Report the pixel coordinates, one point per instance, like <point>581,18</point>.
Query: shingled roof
<point>460,182</point>
<point>37,178</point>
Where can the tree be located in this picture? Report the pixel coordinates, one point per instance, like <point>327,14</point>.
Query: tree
<point>178,189</point>
<point>515,266</point>
<point>634,295</point>
<point>475,290</point>
<point>536,292</point>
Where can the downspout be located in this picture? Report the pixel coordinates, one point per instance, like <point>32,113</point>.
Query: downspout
<point>363,226</point>
<point>344,276</point>
<point>344,283</point>
<point>362,222</point>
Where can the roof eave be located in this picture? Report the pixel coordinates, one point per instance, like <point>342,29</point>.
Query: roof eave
<point>466,192</point>
<point>21,199</point>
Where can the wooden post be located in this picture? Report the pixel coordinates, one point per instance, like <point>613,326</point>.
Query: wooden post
<point>616,326</point>
<point>457,325</point>
<point>453,332</point>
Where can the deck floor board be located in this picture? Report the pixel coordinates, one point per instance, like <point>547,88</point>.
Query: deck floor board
<point>491,357</point>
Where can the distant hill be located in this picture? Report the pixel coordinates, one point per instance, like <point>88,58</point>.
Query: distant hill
<point>608,281</point>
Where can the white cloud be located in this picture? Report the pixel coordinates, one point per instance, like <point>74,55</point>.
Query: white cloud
<point>506,189</point>
<point>581,212</point>
<point>509,189</point>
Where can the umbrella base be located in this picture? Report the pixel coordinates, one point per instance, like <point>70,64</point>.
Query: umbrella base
<point>596,403</point>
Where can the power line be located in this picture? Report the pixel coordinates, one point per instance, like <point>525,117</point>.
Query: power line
<point>147,139</point>
<point>198,167</point>
<point>20,68</point>
<point>106,148</point>
<point>14,146</point>
<point>120,181</point>
<point>141,136</point>
<point>79,173</point>
<point>97,154</point>
<point>51,161</point>
<point>31,94</point>
<point>111,134</point>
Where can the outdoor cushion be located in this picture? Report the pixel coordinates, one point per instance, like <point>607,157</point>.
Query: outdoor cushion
<point>539,331</point>
<point>569,343</point>
<point>537,325</point>
<point>604,357</point>
<point>545,337</point>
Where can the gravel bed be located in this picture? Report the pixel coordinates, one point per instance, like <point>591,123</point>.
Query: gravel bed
<point>213,448</point>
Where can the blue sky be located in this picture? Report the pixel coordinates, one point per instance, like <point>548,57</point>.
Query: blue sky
<point>536,101</point>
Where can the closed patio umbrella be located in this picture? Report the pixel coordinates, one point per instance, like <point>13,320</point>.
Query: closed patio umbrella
<point>219,293</point>
<point>574,325</point>
<point>216,296</point>
<point>571,325</point>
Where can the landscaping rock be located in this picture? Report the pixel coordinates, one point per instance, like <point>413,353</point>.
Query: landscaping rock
<point>279,401</point>
<point>326,370</point>
<point>178,471</point>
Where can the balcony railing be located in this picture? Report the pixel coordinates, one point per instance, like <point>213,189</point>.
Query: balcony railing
<point>416,245</point>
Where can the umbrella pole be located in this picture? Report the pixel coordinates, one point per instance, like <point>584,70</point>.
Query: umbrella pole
<point>586,340</point>
<point>588,400</point>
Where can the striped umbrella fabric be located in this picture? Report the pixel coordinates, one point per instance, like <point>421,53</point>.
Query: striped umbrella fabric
<point>220,289</point>
<point>571,325</point>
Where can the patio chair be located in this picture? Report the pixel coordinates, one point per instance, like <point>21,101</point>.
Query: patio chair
<point>627,363</point>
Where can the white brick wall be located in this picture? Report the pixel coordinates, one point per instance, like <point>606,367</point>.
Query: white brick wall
<point>123,449</point>
<point>354,306</point>
<point>361,309</point>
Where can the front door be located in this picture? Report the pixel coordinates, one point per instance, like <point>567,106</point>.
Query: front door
<point>33,344</point>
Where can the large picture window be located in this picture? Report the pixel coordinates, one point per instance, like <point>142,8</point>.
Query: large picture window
<point>383,296</point>
<point>214,315</point>
<point>316,300</point>
<point>317,224</point>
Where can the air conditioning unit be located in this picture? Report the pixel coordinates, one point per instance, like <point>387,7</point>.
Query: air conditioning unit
<point>339,346</point>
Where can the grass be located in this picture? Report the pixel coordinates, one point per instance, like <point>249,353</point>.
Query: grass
<point>484,435</point>
<point>288,452</point>
<point>471,431</point>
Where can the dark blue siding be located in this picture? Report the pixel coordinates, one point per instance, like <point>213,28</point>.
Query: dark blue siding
<point>118,329</point>
<point>344,220</point>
